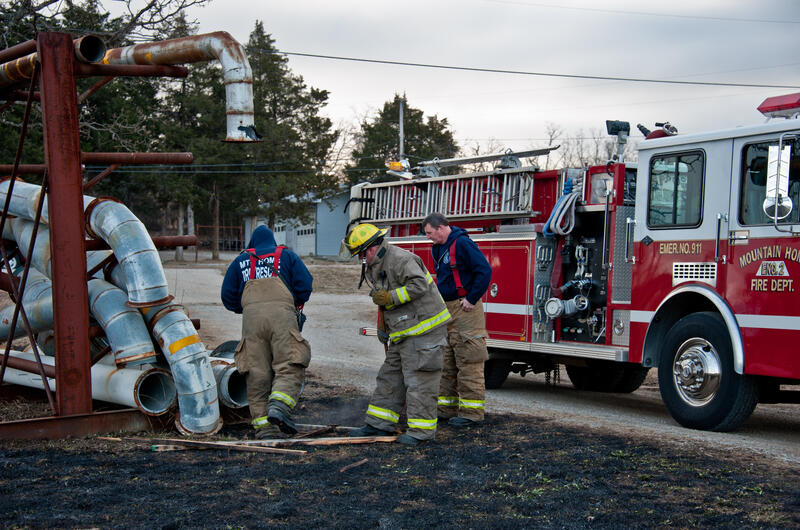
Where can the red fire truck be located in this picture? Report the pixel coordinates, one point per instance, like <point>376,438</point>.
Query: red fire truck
<point>684,261</point>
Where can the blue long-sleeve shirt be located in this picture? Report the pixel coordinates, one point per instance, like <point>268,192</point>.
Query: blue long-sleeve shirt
<point>473,268</point>
<point>291,268</point>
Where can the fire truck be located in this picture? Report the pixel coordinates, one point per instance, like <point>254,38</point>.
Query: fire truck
<point>684,262</point>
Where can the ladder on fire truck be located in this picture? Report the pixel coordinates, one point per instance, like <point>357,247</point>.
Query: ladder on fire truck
<point>503,192</point>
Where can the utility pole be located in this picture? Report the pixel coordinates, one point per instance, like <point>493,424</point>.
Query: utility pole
<point>401,154</point>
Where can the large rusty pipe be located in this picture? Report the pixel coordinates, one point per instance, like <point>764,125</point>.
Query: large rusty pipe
<point>107,158</point>
<point>219,45</point>
<point>161,242</point>
<point>129,70</point>
<point>29,366</point>
<point>15,52</point>
<point>88,49</point>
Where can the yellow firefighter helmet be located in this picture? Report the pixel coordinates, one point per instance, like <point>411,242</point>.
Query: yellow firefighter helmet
<point>360,238</point>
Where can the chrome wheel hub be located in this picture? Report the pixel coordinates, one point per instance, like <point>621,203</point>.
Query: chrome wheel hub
<point>697,372</point>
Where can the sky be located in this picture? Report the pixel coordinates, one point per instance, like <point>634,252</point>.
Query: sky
<point>720,41</point>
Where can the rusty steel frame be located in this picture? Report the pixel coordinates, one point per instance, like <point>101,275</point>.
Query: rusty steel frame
<point>65,206</point>
<point>56,73</point>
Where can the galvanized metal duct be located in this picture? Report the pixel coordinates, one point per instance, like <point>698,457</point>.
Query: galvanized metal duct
<point>188,359</point>
<point>149,389</point>
<point>198,48</point>
<point>127,236</point>
<point>38,303</point>
<point>88,49</point>
<point>124,326</point>
<point>108,220</point>
<point>231,385</point>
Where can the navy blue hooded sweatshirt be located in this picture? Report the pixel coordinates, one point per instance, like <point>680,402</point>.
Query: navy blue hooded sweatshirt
<point>473,268</point>
<point>291,268</point>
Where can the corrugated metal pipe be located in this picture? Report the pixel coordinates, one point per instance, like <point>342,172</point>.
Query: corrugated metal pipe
<point>231,385</point>
<point>124,326</point>
<point>219,45</point>
<point>88,49</point>
<point>108,220</point>
<point>188,359</point>
<point>149,389</point>
<point>37,300</point>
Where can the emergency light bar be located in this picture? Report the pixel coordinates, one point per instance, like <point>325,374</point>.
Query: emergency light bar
<point>787,106</point>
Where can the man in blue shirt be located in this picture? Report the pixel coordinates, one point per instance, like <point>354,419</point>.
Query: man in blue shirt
<point>462,276</point>
<point>268,284</point>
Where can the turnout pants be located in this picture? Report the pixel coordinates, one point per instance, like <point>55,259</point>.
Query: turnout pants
<point>462,391</point>
<point>272,354</point>
<point>409,375</point>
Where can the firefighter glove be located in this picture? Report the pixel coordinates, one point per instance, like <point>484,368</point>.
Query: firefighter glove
<point>383,336</point>
<point>382,297</point>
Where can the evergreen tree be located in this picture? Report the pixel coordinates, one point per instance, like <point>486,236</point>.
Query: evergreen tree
<point>378,141</point>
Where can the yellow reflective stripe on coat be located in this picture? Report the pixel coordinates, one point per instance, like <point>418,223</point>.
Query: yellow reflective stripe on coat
<point>448,401</point>
<point>259,422</point>
<point>422,327</point>
<point>402,295</point>
<point>420,423</point>
<point>429,278</point>
<point>384,414</point>
<point>280,396</point>
<point>471,403</point>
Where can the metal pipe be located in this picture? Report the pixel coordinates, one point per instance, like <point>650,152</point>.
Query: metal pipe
<point>231,384</point>
<point>17,51</point>
<point>198,400</point>
<point>88,49</point>
<point>38,303</point>
<point>197,48</point>
<point>149,389</point>
<point>145,282</point>
<point>125,328</point>
<point>31,367</point>
<point>109,220</point>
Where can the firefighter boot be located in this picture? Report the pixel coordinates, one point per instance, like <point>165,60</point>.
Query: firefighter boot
<point>282,420</point>
<point>408,440</point>
<point>270,432</point>
<point>459,421</point>
<point>369,430</point>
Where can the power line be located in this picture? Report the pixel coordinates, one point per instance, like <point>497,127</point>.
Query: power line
<point>538,74</point>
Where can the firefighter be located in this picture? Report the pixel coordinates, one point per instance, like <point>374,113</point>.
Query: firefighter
<point>268,284</point>
<point>414,331</point>
<point>462,276</point>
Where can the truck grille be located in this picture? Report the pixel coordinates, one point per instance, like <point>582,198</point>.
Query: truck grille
<point>705,272</point>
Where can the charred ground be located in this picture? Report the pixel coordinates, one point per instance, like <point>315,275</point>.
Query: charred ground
<point>512,471</point>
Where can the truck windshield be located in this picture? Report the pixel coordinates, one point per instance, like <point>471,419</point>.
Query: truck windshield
<point>754,183</point>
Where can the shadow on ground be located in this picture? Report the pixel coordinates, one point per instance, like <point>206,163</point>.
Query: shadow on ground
<point>512,471</point>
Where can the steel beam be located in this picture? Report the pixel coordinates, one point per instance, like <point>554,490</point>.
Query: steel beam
<point>76,425</point>
<point>65,205</point>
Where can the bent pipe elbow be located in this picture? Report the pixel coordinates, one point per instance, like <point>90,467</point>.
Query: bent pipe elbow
<point>654,333</point>
<point>124,326</point>
<point>219,45</point>
<point>134,250</point>
<point>191,370</point>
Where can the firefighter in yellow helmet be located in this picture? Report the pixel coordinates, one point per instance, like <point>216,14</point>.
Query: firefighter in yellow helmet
<point>415,320</point>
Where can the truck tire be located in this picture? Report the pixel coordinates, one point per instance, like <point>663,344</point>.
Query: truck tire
<point>495,372</point>
<point>598,376</point>
<point>632,379</point>
<point>696,378</point>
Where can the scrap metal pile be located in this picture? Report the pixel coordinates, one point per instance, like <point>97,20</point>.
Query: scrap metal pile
<point>131,305</point>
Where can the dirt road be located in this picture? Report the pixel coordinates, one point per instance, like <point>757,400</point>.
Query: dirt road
<point>342,358</point>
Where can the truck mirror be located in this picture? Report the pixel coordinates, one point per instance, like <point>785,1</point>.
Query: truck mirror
<point>777,203</point>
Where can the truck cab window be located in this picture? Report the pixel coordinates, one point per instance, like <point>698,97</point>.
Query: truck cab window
<point>754,183</point>
<point>676,190</point>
